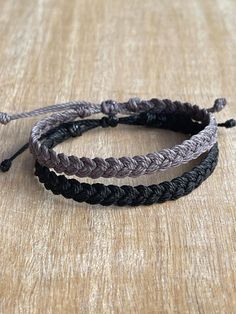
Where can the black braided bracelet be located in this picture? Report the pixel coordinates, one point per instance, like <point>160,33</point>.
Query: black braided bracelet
<point>126,195</point>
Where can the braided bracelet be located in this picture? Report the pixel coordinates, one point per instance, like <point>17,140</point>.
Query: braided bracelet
<point>128,166</point>
<point>126,195</point>
<point>124,166</point>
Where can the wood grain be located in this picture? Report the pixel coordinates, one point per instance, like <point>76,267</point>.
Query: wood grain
<point>58,256</point>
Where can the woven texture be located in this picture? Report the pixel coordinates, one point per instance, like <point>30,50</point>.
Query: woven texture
<point>126,195</point>
<point>127,166</point>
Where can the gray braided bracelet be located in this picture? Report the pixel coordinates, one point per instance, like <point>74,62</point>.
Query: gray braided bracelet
<point>124,166</point>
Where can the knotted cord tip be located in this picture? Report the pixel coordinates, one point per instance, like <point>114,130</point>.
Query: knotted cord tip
<point>228,124</point>
<point>219,104</point>
<point>5,165</point>
<point>4,118</point>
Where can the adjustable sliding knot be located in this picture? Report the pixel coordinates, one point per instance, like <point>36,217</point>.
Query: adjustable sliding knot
<point>112,121</point>
<point>109,107</point>
<point>4,118</point>
<point>219,104</point>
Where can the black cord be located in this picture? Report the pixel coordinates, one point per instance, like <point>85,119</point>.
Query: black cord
<point>6,164</point>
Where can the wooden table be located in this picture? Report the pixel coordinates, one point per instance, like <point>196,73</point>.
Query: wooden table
<point>58,256</point>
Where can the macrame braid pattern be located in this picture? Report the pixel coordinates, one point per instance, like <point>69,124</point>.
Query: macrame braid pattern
<point>126,195</point>
<point>127,166</point>
<point>200,124</point>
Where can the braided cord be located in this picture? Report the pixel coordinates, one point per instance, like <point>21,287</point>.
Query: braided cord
<point>126,166</point>
<point>126,195</point>
<point>108,107</point>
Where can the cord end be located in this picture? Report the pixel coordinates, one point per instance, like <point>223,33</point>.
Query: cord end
<point>228,124</point>
<point>5,165</point>
<point>219,104</point>
<point>4,118</point>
